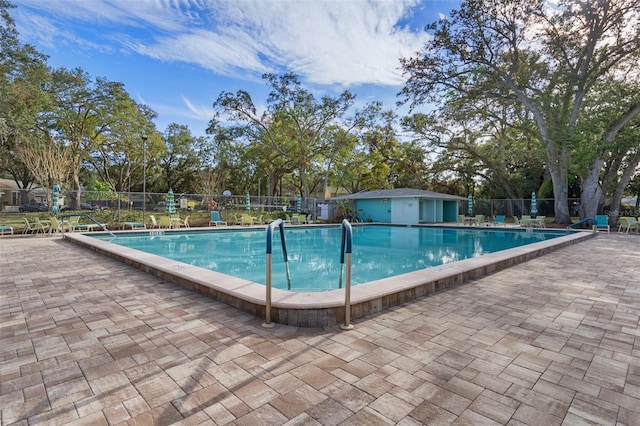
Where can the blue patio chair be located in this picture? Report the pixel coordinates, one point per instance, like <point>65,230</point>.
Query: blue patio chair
<point>602,221</point>
<point>215,219</point>
<point>499,220</point>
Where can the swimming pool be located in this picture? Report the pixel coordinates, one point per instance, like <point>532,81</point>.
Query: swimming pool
<point>379,251</point>
<point>324,308</point>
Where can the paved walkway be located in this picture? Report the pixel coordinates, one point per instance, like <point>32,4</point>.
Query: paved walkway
<point>87,340</point>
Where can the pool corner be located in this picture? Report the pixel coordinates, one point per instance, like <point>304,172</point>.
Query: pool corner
<point>326,308</point>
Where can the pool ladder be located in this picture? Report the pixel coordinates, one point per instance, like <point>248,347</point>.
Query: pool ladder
<point>280,224</point>
<point>102,226</point>
<point>346,249</point>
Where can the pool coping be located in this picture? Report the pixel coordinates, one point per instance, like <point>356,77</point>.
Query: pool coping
<point>319,309</point>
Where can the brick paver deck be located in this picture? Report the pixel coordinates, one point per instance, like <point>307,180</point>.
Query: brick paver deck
<point>88,340</point>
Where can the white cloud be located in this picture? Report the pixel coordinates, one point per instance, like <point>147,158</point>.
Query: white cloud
<point>40,28</point>
<point>327,42</point>
<point>222,53</point>
<point>159,14</point>
<point>344,43</point>
<point>198,112</point>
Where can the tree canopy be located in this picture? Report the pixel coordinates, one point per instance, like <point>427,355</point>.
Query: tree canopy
<point>546,58</point>
<point>508,97</point>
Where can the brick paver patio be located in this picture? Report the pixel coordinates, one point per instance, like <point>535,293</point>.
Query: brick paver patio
<point>88,340</point>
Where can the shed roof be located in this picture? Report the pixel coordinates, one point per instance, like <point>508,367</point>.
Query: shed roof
<point>399,193</point>
<point>11,184</point>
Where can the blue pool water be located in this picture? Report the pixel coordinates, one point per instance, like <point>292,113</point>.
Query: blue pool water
<point>314,252</point>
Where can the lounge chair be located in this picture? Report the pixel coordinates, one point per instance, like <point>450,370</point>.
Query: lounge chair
<point>247,220</point>
<point>6,228</point>
<point>602,222</point>
<point>539,222</point>
<point>499,220</point>
<point>215,219</point>
<point>58,226</point>
<point>33,228</point>
<point>185,222</point>
<point>628,223</point>
<point>175,222</point>
<point>525,220</point>
<point>296,219</point>
<point>74,223</point>
<point>165,222</point>
<point>44,225</point>
<point>461,219</point>
<point>28,228</point>
<point>135,225</point>
<point>154,222</point>
<point>479,219</point>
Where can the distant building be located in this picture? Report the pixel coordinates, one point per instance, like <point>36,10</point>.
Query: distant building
<point>404,205</point>
<point>11,197</point>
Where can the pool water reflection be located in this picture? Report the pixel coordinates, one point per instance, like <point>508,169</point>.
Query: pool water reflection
<point>379,251</point>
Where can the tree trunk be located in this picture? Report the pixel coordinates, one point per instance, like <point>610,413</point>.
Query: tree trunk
<point>561,195</point>
<point>558,163</point>
<point>511,197</point>
<point>559,170</point>
<point>303,181</point>
<point>325,183</point>
<point>591,194</point>
<point>619,192</point>
<point>78,191</point>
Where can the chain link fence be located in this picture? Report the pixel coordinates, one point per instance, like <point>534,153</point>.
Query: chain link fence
<point>518,207</point>
<point>12,199</point>
<point>544,206</point>
<point>131,202</point>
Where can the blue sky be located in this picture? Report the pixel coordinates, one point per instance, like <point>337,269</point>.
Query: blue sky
<point>178,55</point>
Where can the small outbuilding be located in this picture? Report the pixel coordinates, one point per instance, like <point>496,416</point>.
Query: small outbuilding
<point>404,205</point>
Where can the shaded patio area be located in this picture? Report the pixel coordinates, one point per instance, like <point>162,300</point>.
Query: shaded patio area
<point>88,340</point>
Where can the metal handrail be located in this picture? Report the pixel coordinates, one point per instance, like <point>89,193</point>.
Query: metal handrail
<point>583,221</point>
<point>346,249</point>
<point>272,225</point>
<point>104,228</point>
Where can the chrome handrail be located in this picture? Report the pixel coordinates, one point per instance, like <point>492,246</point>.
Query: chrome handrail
<point>104,228</point>
<point>346,249</point>
<point>270,228</point>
